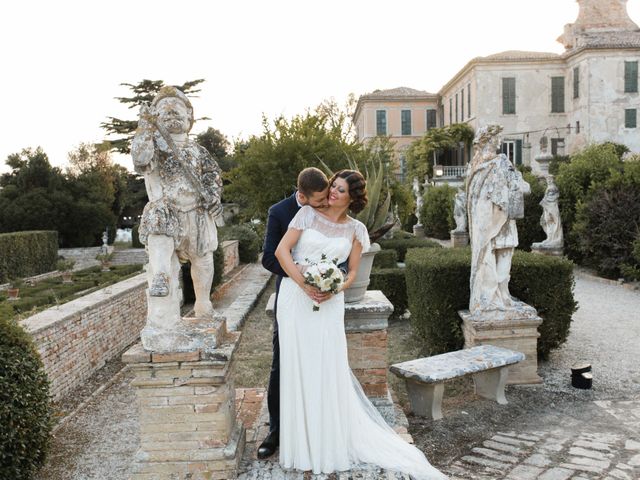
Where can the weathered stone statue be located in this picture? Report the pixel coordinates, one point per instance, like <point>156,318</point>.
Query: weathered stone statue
<point>417,192</point>
<point>460,210</point>
<point>550,219</point>
<point>178,224</point>
<point>495,199</point>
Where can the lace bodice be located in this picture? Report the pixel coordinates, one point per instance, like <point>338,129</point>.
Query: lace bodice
<point>321,235</point>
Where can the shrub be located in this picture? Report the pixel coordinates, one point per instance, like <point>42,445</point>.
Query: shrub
<point>608,222</point>
<point>25,412</point>
<point>529,229</point>
<point>249,243</point>
<point>587,171</point>
<point>437,212</point>
<point>23,254</point>
<point>392,283</point>
<point>404,204</point>
<point>387,258</point>
<point>135,237</point>
<point>438,286</point>
<point>402,244</point>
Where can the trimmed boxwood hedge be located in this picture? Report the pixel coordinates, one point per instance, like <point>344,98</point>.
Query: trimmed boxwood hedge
<point>24,254</point>
<point>392,283</point>
<point>401,245</point>
<point>387,258</point>
<point>438,286</point>
<point>25,411</point>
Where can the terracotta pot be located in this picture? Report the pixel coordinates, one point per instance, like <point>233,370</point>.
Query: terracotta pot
<point>105,266</point>
<point>13,293</point>
<point>358,288</point>
<point>66,277</point>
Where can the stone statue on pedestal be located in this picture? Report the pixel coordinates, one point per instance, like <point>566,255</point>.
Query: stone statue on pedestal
<point>417,192</point>
<point>178,224</point>
<point>460,210</point>
<point>495,199</point>
<point>550,219</point>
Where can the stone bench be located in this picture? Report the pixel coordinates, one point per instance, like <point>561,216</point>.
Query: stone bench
<point>425,377</point>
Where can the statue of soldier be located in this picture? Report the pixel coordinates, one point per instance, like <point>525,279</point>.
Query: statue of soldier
<point>178,224</point>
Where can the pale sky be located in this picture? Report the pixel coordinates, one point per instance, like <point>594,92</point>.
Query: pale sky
<point>62,61</point>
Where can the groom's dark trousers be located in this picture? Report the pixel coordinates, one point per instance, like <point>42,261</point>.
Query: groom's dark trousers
<point>280,215</point>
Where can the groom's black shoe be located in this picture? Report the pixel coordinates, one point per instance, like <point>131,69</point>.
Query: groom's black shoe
<point>269,446</point>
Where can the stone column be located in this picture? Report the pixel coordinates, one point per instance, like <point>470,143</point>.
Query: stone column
<point>366,325</point>
<point>188,427</point>
<point>515,329</point>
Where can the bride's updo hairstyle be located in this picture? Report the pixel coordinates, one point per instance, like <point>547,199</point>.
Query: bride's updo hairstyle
<point>357,188</point>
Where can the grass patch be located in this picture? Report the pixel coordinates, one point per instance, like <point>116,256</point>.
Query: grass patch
<point>50,292</point>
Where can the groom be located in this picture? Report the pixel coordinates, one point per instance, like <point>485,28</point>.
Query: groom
<point>313,188</point>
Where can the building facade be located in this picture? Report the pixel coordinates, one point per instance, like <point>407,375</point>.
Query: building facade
<point>588,94</point>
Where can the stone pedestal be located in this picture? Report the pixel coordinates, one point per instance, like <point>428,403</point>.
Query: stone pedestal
<point>366,325</point>
<point>549,251</point>
<point>540,164</point>
<point>418,230</point>
<point>515,329</point>
<point>459,239</point>
<point>188,427</point>
<point>190,334</point>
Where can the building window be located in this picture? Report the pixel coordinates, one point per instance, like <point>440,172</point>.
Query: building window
<point>462,105</point>
<point>630,118</point>
<point>469,100</point>
<point>577,127</point>
<point>557,94</point>
<point>450,111</point>
<point>456,108</point>
<point>630,77</point>
<point>576,82</point>
<point>431,118</point>
<point>557,146</point>
<point>381,122</point>
<point>405,119</point>
<point>508,95</point>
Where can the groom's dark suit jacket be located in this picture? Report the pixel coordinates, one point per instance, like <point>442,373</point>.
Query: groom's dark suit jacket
<point>280,215</point>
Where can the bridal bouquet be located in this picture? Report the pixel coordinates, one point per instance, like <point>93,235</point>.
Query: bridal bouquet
<point>324,275</point>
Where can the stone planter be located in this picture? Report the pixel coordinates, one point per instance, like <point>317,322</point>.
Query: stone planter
<point>358,288</point>
<point>105,265</point>
<point>66,277</point>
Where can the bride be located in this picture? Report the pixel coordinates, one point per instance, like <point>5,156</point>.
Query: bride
<point>327,422</point>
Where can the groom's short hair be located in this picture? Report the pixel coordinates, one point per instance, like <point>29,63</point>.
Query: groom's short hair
<point>311,180</point>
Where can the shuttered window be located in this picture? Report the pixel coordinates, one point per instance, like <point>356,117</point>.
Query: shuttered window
<point>462,105</point>
<point>469,100</point>
<point>576,82</point>
<point>431,119</point>
<point>630,77</point>
<point>630,118</point>
<point>508,95</point>
<point>557,94</point>
<point>381,122</point>
<point>405,117</point>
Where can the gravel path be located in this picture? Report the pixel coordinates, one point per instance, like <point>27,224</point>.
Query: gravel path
<point>605,332</point>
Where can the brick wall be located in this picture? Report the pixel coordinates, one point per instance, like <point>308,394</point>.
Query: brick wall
<point>78,337</point>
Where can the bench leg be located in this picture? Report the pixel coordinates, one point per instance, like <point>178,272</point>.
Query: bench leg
<point>426,399</point>
<point>490,384</point>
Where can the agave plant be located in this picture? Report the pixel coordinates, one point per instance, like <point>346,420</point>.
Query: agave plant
<point>375,214</point>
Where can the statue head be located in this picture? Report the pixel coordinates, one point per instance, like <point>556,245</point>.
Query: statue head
<point>488,134</point>
<point>173,109</point>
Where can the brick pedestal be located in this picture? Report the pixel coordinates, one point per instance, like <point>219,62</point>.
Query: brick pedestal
<point>515,329</point>
<point>366,325</point>
<point>188,427</point>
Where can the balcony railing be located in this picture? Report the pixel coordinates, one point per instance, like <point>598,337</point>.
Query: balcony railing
<point>450,171</point>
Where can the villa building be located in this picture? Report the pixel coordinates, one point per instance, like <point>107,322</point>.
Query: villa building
<point>588,94</point>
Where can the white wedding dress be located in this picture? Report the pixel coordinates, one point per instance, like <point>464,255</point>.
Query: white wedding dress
<point>327,424</point>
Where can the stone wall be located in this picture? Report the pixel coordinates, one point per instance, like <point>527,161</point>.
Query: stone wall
<point>78,337</point>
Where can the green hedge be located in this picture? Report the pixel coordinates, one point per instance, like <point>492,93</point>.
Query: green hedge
<point>401,245</point>
<point>249,241</point>
<point>387,258</point>
<point>437,211</point>
<point>25,412</point>
<point>438,286</point>
<point>392,283</point>
<point>24,254</point>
